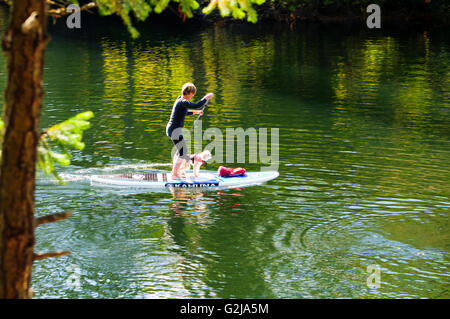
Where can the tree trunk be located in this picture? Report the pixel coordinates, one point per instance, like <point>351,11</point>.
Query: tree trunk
<point>24,45</point>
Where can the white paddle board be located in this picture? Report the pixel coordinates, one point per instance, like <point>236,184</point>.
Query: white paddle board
<point>164,180</point>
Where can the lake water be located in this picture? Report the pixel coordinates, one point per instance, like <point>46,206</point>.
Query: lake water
<point>364,149</point>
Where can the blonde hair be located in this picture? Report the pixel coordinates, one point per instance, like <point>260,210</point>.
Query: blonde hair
<point>188,88</point>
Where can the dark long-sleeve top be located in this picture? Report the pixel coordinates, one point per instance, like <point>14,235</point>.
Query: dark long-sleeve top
<point>179,111</point>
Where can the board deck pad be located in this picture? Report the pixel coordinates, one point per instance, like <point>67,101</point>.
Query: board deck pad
<point>143,177</point>
<point>164,180</point>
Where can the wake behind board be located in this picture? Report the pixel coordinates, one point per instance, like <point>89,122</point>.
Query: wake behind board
<point>164,180</point>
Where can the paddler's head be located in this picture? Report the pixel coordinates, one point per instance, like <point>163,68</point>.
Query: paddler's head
<point>188,91</point>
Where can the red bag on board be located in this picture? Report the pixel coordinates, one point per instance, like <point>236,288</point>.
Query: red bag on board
<point>230,172</point>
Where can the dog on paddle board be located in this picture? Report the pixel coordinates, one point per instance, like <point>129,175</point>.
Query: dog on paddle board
<point>196,160</point>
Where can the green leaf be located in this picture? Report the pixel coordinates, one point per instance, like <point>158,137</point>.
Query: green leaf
<point>61,159</point>
<point>57,142</point>
<point>252,15</point>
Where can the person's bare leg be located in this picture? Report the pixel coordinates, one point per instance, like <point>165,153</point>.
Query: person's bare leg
<point>176,168</point>
<point>175,158</point>
<point>182,170</point>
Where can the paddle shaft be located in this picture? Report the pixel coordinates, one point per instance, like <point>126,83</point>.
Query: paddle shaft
<point>193,124</point>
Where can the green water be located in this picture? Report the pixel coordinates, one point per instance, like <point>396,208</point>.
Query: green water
<point>364,128</point>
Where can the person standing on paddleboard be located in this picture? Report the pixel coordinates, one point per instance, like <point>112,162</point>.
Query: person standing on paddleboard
<point>174,128</point>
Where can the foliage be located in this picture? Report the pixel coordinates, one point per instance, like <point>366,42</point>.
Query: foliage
<point>63,137</point>
<point>239,9</point>
<point>141,9</point>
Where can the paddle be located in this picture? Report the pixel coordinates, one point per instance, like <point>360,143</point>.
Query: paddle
<point>193,124</point>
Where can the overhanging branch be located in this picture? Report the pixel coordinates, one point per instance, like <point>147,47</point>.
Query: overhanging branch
<point>58,9</point>
<point>40,256</point>
<point>52,218</point>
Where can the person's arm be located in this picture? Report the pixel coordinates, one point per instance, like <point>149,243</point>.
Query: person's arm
<point>198,105</point>
<point>195,106</point>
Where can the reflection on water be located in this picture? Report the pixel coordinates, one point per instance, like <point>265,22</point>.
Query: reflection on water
<point>364,153</point>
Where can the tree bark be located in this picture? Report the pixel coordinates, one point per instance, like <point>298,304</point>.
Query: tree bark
<point>24,45</point>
